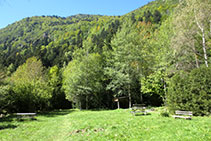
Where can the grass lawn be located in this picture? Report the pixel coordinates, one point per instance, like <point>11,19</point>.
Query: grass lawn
<point>104,125</point>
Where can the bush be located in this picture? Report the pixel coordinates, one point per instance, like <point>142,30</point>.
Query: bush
<point>30,89</point>
<point>164,112</point>
<point>5,100</point>
<point>31,97</point>
<point>191,91</point>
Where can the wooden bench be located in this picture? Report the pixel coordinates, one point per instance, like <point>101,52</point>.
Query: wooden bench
<point>183,114</point>
<point>26,115</point>
<point>138,108</point>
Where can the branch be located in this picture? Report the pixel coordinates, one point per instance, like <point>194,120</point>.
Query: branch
<point>197,22</point>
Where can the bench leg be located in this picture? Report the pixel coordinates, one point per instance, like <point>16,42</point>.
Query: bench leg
<point>33,118</point>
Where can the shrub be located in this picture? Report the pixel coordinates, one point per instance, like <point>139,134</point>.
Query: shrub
<point>30,89</point>
<point>164,114</point>
<point>5,98</point>
<point>31,97</point>
<point>191,91</point>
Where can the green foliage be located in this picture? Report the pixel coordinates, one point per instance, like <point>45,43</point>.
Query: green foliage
<point>164,112</point>
<point>125,62</point>
<point>10,69</point>
<point>58,99</point>
<point>30,71</point>
<point>107,57</point>
<point>83,79</point>
<point>190,20</point>
<point>47,37</point>
<point>2,74</point>
<point>30,88</point>
<point>153,84</point>
<point>153,88</point>
<point>30,97</point>
<point>191,91</point>
<point>5,90</point>
<point>157,16</point>
<point>148,16</point>
<point>5,98</point>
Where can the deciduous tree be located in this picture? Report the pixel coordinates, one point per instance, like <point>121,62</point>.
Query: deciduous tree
<point>30,88</point>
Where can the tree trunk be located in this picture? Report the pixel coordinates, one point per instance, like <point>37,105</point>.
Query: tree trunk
<point>204,47</point>
<point>118,105</point>
<point>210,26</point>
<point>87,102</point>
<point>196,59</point>
<point>165,93</point>
<point>141,96</point>
<point>203,40</point>
<point>80,105</point>
<point>197,62</point>
<point>129,94</point>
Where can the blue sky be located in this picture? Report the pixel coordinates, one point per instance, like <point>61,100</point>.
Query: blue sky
<point>15,10</point>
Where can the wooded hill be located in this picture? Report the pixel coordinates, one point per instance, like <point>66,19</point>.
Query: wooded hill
<point>91,59</point>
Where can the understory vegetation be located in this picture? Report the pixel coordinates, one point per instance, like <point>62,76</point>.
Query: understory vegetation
<point>159,54</point>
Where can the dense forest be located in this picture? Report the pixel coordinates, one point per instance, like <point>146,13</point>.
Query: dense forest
<point>159,54</point>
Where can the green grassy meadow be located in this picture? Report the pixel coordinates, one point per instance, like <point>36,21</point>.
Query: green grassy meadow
<point>104,125</point>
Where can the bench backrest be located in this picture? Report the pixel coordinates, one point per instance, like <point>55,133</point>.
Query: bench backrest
<point>136,108</point>
<point>138,105</point>
<point>25,114</point>
<point>184,113</point>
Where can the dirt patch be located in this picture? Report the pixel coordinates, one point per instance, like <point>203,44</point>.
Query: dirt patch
<point>86,130</point>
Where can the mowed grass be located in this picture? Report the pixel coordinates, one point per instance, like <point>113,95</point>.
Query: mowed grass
<point>104,125</point>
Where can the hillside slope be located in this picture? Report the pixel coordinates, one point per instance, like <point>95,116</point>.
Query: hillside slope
<point>53,39</point>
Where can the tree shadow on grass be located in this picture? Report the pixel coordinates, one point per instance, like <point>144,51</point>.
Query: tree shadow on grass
<point>102,110</point>
<point>56,113</point>
<point>9,126</point>
<point>6,122</point>
<point>140,114</point>
<point>7,118</point>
